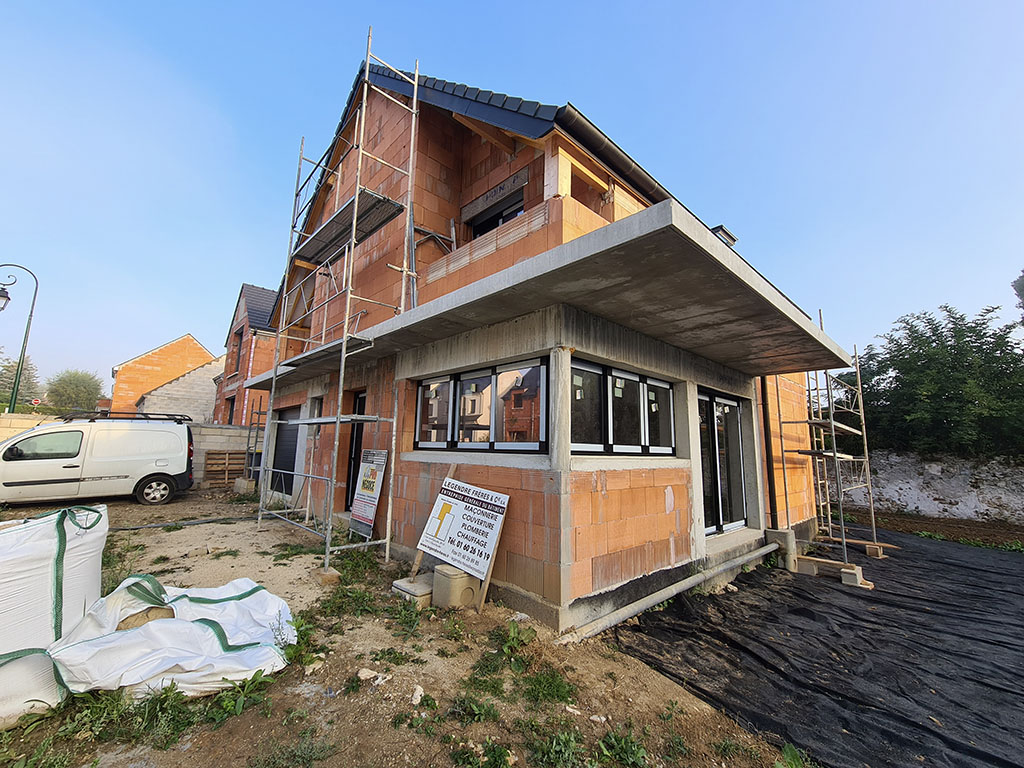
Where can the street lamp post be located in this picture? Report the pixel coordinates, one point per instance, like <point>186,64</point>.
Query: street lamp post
<point>4,299</point>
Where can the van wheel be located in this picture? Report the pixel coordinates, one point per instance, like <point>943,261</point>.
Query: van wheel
<point>157,489</point>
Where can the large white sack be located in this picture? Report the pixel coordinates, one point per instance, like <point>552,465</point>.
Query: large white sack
<point>216,633</point>
<point>42,596</point>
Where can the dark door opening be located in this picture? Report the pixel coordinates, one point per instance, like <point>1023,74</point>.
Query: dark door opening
<point>355,451</point>
<point>285,446</point>
<point>721,463</point>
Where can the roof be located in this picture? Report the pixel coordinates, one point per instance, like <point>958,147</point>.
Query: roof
<point>259,303</point>
<point>516,115</point>
<point>259,308</point>
<point>661,273</point>
<point>113,371</point>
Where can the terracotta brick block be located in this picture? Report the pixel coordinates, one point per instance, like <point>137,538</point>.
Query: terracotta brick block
<point>580,504</point>
<point>525,572</point>
<point>582,481</point>
<point>552,583</point>
<point>633,502</point>
<point>614,480</point>
<point>655,500</point>
<point>540,481</point>
<point>582,579</point>
<point>670,476</point>
<point>641,478</point>
<point>607,570</point>
<point>620,534</point>
<point>552,510</point>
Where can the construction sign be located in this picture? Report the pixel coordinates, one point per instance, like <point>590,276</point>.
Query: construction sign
<point>368,485</point>
<point>464,526</point>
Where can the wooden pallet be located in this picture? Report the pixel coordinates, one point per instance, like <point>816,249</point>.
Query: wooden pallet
<point>222,468</point>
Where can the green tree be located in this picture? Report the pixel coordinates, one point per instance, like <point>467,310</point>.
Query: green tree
<point>74,390</point>
<point>1018,288</point>
<point>946,383</point>
<point>29,386</point>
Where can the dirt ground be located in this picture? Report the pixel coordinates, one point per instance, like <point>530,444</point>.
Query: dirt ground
<point>613,692</point>
<point>993,533</point>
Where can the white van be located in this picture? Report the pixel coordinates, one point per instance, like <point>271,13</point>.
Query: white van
<point>148,456</point>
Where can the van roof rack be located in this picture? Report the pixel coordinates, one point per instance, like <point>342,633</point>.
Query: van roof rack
<point>125,415</point>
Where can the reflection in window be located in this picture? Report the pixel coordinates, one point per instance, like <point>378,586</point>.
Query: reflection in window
<point>721,458</point>
<point>624,396</point>
<point>434,406</point>
<point>56,445</point>
<point>475,410</point>
<point>587,414</point>
<point>659,417</point>
<point>502,408</point>
<point>519,405</point>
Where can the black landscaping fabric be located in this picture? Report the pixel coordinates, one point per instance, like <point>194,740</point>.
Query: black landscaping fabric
<point>927,669</point>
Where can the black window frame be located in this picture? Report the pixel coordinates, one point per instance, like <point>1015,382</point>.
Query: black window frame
<point>608,447</point>
<point>502,212</point>
<point>493,445</point>
<point>742,404</point>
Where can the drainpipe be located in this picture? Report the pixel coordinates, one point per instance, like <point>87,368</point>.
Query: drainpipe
<point>769,455</point>
<point>633,609</point>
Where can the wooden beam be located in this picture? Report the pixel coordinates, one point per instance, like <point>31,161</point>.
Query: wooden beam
<point>585,172</point>
<point>488,132</point>
<point>305,265</point>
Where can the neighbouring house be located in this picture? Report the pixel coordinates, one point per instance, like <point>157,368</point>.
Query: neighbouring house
<point>144,373</point>
<point>250,351</point>
<point>191,394</point>
<point>572,336</point>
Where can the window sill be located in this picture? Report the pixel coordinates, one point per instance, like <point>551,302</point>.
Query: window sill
<point>480,458</point>
<point>739,539</point>
<point>626,461</point>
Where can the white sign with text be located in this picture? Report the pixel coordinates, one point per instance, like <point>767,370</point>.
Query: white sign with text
<point>464,526</point>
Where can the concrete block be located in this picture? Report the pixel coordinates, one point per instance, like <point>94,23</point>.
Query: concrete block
<point>327,578</point>
<point>786,539</point>
<point>454,588</point>
<point>875,551</point>
<point>243,485</point>
<point>418,592</point>
<point>806,568</point>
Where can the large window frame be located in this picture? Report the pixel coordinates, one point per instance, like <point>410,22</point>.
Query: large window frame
<point>494,443</point>
<point>714,399</point>
<point>609,384</point>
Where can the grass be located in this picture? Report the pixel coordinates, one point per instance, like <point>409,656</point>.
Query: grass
<point>303,753</point>
<point>674,748</point>
<point>160,559</point>
<point>794,758</point>
<point>239,697</point>
<point>119,561</point>
<point>288,551</point>
<point>225,553</point>
<point>1004,546</point>
<point>172,527</point>
<point>621,747</point>
<point>245,498</point>
<point>729,747</point>
<point>468,709</point>
<point>547,685</point>
<point>490,754</point>
<point>556,748</point>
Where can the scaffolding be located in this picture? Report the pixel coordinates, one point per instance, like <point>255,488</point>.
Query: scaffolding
<point>254,438</point>
<point>327,250</point>
<point>835,411</point>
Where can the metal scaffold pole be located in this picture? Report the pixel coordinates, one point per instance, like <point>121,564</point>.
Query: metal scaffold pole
<point>319,242</point>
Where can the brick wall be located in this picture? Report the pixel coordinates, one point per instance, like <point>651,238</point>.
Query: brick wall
<point>213,437</point>
<point>147,372</point>
<point>798,475</point>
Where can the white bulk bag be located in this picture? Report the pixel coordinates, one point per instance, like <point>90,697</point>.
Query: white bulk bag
<point>49,576</point>
<point>216,633</point>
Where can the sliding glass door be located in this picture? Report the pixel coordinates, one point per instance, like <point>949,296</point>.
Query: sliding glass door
<point>721,462</point>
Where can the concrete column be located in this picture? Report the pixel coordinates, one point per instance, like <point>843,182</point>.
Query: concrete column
<point>560,408</point>
<point>688,435</point>
<point>753,480</point>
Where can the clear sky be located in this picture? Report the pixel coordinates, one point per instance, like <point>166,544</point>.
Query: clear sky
<point>869,156</point>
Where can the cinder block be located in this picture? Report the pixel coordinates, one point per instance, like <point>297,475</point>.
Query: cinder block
<point>417,592</point>
<point>454,588</point>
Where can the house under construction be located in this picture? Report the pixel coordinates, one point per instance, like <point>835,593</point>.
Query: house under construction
<point>490,288</point>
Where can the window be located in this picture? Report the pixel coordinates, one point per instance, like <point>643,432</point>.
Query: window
<point>238,350</point>
<point>721,461</point>
<point>615,411</point>
<point>500,408</point>
<point>56,445</point>
<point>316,410</point>
<point>495,216</point>
<point>229,403</point>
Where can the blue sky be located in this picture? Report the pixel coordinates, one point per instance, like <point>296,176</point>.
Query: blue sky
<point>868,155</point>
